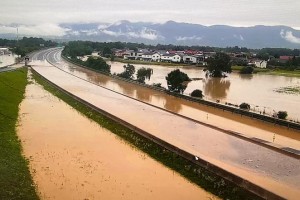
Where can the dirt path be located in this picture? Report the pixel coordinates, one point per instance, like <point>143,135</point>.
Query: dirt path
<point>72,157</point>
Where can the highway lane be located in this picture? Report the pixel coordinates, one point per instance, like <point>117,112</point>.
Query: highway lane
<point>271,170</point>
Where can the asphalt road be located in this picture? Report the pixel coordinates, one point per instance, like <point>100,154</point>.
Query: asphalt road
<point>269,169</point>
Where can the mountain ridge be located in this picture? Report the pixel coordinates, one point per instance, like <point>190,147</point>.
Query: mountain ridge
<point>181,33</point>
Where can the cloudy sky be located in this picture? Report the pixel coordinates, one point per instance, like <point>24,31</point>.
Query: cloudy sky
<point>38,15</point>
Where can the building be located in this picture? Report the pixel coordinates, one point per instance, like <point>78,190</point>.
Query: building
<point>286,58</point>
<point>4,51</point>
<point>166,57</point>
<point>147,57</point>
<point>260,64</point>
<point>189,59</point>
<point>156,57</point>
<point>133,55</point>
<point>176,58</point>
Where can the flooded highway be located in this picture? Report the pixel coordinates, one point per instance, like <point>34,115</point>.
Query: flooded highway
<point>72,157</point>
<point>271,170</point>
<point>209,115</point>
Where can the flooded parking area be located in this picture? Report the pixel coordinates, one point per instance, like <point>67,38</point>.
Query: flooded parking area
<point>72,157</point>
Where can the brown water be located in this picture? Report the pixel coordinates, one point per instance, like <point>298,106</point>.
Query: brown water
<point>256,89</point>
<point>271,170</point>
<point>72,157</point>
<point>225,120</point>
<point>7,59</point>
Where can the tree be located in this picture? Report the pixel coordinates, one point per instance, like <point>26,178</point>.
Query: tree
<point>219,65</point>
<point>97,63</point>
<point>176,81</point>
<point>128,72</point>
<point>282,114</point>
<point>143,74</point>
<point>106,52</point>
<point>197,93</point>
<point>244,106</point>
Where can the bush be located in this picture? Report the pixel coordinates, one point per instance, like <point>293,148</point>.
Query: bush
<point>157,85</point>
<point>197,93</point>
<point>282,114</point>
<point>244,106</point>
<point>247,70</point>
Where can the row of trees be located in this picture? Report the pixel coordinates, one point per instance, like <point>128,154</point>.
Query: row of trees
<point>26,44</point>
<point>106,48</point>
<point>141,75</point>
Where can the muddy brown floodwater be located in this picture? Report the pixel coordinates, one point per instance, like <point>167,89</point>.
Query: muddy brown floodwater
<point>259,90</point>
<point>216,117</point>
<point>72,157</point>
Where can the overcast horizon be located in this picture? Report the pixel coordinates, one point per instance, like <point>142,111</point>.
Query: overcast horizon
<point>43,17</point>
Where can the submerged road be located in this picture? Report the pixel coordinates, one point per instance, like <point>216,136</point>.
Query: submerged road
<point>269,169</point>
<point>250,128</point>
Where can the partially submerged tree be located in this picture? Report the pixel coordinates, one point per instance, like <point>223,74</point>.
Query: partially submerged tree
<point>177,81</point>
<point>97,63</point>
<point>143,74</point>
<point>244,106</point>
<point>282,114</point>
<point>218,65</point>
<point>197,93</point>
<point>128,72</point>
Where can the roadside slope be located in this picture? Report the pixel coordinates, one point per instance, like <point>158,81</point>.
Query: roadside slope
<point>15,179</point>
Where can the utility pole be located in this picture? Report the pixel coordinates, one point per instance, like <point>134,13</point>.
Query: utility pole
<point>17,35</point>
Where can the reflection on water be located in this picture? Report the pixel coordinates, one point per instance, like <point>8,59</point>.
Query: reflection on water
<point>216,88</point>
<point>172,106</point>
<point>246,76</point>
<point>124,89</point>
<point>143,96</point>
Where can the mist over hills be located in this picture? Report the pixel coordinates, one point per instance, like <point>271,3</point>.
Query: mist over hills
<point>179,34</point>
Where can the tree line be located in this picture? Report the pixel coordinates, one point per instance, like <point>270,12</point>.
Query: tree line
<point>106,48</point>
<point>26,44</point>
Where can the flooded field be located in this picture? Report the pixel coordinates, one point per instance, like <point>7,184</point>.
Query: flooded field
<point>258,90</point>
<point>7,60</point>
<point>72,157</point>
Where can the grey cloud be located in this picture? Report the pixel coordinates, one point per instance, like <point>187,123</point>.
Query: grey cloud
<point>288,35</point>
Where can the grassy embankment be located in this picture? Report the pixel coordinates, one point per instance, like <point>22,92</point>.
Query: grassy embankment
<point>15,178</point>
<point>280,72</point>
<point>194,173</point>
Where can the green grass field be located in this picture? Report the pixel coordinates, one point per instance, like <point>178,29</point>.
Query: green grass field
<point>279,72</point>
<point>15,178</point>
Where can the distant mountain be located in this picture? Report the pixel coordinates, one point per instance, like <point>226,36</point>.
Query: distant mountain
<point>184,34</point>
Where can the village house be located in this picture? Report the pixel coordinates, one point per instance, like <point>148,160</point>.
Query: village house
<point>156,57</point>
<point>286,58</point>
<point>170,58</point>
<point>147,57</point>
<point>176,58</point>
<point>121,52</point>
<point>260,64</point>
<point>189,59</point>
<point>133,55</point>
